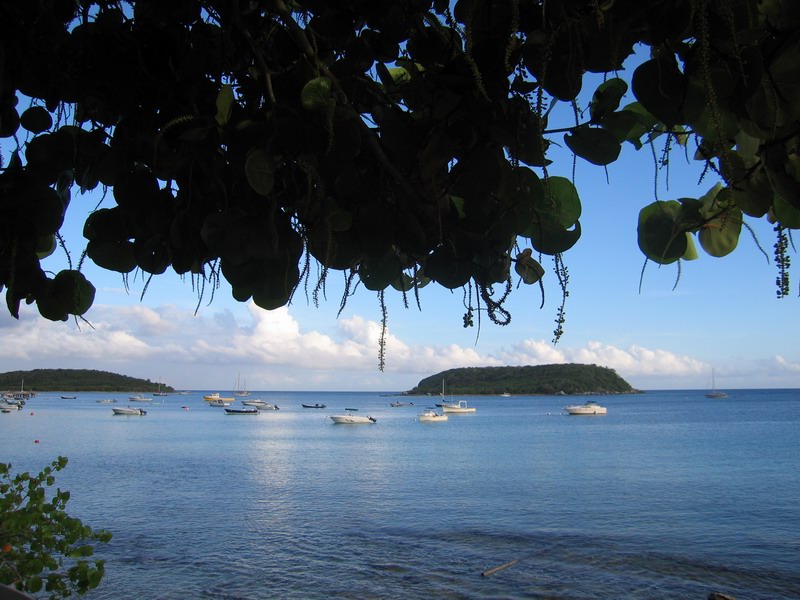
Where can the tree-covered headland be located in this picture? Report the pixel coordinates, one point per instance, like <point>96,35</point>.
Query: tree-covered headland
<point>77,380</point>
<point>566,379</point>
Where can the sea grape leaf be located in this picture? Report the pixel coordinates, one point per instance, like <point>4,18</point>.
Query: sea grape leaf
<point>224,105</point>
<point>561,201</point>
<point>36,119</point>
<point>260,171</point>
<point>661,88</point>
<point>598,146</point>
<point>786,214</point>
<point>659,237</point>
<point>73,291</point>
<point>378,273</point>
<point>606,98</point>
<point>720,236</point>
<point>549,237</point>
<point>316,93</point>
<point>112,255</point>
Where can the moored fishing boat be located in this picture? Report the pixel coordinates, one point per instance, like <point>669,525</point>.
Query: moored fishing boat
<point>216,397</point>
<point>458,407</point>
<point>350,418</point>
<point>260,404</point>
<point>431,416</point>
<point>242,411</point>
<point>221,402</point>
<point>589,408</point>
<point>129,411</point>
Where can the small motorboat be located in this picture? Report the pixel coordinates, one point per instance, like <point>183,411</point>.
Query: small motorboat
<point>431,416</point>
<point>317,405</point>
<point>400,404</point>
<point>221,402</point>
<point>139,398</point>
<point>68,397</point>
<point>242,411</point>
<point>353,419</point>
<point>127,410</point>
<point>589,408</point>
<point>107,401</point>
<point>260,404</point>
<point>457,407</point>
<point>215,397</point>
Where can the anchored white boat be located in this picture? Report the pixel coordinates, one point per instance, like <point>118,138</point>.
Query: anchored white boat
<point>139,398</point>
<point>431,416</point>
<point>221,402</point>
<point>352,419</point>
<point>127,410</point>
<point>458,407</point>
<point>260,404</point>
<point>589,408</point>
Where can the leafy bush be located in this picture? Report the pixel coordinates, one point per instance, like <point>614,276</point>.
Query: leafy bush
<point>42,548</point>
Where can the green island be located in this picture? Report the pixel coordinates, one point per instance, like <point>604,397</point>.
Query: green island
<point>561,379</point>
<point>77,380</point>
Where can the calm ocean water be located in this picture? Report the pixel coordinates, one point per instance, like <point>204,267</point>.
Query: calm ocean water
<point>670,495</point>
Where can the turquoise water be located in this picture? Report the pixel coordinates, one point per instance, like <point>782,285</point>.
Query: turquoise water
<point>670,495</point>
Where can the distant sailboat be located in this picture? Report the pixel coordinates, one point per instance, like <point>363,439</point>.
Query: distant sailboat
<point>241,390</point>
<point>715,393</point>
<point>159,392</point>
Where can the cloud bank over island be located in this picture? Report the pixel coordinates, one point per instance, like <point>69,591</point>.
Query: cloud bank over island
<point>276,352</point>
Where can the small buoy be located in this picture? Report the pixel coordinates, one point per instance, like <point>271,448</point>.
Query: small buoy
<point>31,413</point>
<point>35,441</point>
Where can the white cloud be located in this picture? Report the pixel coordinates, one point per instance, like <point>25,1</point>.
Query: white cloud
<point>785,365</point>
<point>275,352</point>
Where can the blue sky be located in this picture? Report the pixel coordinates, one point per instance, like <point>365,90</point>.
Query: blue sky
<point>723,315</point>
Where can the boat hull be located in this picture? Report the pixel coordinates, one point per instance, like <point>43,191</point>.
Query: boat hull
<point>459,408</point>
<point>352,419</point>
<point>217,398</point>
<point>241,411</point>
<point>431,417</point>
<point>585,409</point>
<point>260,404</point>
<point>131,412</point>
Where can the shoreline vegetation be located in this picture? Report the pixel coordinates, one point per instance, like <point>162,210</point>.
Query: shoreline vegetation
<point>539,380</point>
<point>77,380</point>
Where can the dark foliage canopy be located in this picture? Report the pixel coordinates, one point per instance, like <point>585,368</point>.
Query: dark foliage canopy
<point>401,142</point>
